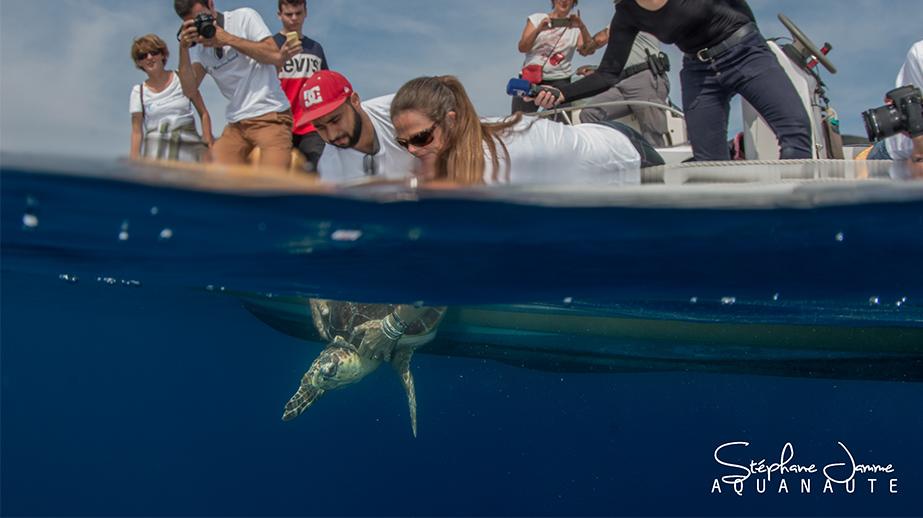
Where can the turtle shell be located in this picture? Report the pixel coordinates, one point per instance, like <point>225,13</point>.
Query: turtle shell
<point>334,318</point>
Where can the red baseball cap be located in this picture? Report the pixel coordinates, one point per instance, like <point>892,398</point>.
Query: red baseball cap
<point>322,93</point>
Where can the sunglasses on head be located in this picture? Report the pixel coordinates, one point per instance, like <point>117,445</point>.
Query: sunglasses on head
<point>141,55</point>
<point>421,139</point>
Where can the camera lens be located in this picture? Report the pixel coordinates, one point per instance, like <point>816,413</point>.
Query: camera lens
<point>205,24</point>
<point>882,122</point>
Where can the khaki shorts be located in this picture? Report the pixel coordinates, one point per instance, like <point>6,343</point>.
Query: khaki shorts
<point>272,133</point>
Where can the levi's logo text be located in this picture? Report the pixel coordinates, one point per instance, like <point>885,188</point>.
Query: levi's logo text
<point>300,66</point>
<point>312,96</point>
<point>841,473</point>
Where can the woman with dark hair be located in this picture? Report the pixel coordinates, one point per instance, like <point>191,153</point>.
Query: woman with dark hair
<point>725,55</point>
<point>548,41</point>
<point>162,119</point>
<point>436,122</point>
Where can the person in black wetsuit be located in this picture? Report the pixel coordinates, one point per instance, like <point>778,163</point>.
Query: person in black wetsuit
<point>725,54</point>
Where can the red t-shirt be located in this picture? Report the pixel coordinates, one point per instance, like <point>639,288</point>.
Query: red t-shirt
<point>295,72</point>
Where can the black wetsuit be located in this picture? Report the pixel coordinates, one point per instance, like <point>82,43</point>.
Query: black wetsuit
<point>694,25</point>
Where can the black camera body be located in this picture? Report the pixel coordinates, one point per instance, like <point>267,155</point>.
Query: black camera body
<point>205,25</point>
<point>904,113</point>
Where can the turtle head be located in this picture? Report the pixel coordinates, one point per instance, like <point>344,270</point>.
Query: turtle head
<point>337,365</point>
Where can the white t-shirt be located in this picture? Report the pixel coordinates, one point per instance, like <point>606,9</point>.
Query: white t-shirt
<point>251,88</point>
<point>169,107</point>
<point>391,161</point>
<point>900,147</point>
<point>561,42</point>
<point>552,152</point>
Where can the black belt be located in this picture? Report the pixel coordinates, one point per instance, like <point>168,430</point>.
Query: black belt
<point>710,53</point>
<point>658,63</point>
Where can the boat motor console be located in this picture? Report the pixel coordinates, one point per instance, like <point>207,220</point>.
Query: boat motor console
<point>799,59</point>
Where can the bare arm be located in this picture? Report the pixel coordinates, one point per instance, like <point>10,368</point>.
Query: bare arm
<point>598,40</point>
<point>190,74</point>
<point>916,158</point>
<point>382,335</point>
<point>199,104</point>
<point>264,51</point>
<point>409,313</point>
<point>137,132</point>
<point>530,33</point>
<point>585,42</point>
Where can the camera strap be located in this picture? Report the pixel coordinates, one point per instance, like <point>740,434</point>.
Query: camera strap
<point>219,51</point>
<point>143,117</point>
<point>555,45</point>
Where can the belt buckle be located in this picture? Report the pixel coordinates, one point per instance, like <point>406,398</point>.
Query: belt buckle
<point>700,55</point>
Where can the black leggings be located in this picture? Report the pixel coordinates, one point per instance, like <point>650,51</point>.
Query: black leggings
<point>751,70</point>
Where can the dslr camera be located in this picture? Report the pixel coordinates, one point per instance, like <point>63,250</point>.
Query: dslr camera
<point>903,113</point>
<point>205,24</point>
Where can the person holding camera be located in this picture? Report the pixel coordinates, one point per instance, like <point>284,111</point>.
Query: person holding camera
<point>236,48</point>
<point>644,78</point>
<point>549,41</point>
<point>725,55</point>
<point>902,119</point>
<point>162,117</point>
<point>294,73</point>
<point>435,120</point>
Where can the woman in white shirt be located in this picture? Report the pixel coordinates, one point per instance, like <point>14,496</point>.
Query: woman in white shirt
<point>548,41</point>
<point>436,122</point>
<point>162,118</point>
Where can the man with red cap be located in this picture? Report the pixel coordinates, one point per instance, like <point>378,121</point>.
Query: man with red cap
<point>360,134</point>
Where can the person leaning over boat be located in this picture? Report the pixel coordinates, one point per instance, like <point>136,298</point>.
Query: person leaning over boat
<point>162,118</point>
<point>725,55</point>
<point>295,72</point>
<point>644,78</point>
<point>360,134</point>
<point>435,120</point>
<point>241,57</point>
<point>549,48</point>
<point>902,147</point>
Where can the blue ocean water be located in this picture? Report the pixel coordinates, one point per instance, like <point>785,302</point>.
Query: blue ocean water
<point>134,383</point>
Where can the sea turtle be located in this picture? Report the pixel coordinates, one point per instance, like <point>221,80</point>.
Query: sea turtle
<point>343,325</point>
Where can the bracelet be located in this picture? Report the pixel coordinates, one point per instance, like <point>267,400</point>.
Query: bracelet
<point>399,321</point>
<point>393,327</point>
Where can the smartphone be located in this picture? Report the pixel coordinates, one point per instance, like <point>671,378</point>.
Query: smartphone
<point>291,36</point>
<point>560,22</point>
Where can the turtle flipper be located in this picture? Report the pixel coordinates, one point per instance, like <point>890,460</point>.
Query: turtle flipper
<point>303,398</point>
<point>401,364</point>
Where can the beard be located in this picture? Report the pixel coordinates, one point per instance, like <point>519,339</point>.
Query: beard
<point>356,132</point>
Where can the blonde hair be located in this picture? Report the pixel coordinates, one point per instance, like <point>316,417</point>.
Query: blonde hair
<point>461,159</point>
<point>149,43</point>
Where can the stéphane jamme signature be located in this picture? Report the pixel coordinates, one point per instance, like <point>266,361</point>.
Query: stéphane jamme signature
<point>838,476</point>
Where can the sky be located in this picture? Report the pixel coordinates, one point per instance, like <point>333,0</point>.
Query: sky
<point>66,74</point>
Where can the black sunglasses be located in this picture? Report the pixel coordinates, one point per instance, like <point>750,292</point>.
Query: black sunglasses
<point>141,55</point>
<point>422,139</point>
<point>369,165</point>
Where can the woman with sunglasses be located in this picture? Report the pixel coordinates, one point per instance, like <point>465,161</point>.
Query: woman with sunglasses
<point>162,118</point>
<point>436,122</point>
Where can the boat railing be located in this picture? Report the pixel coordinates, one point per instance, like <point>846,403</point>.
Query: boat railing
<point>676,123</point>
<point>565,110</point>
